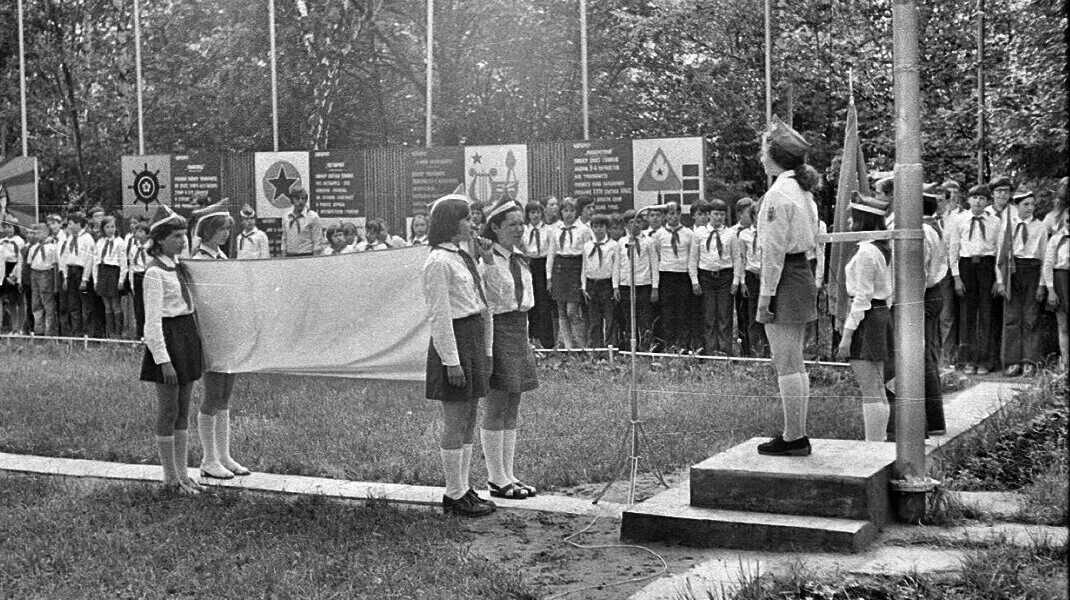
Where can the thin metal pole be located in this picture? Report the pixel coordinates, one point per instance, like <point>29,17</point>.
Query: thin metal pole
<point>583,71</point>
<point>137,70</point>
<point>274,78</point>
<point>430,70</point>
<point>910,282</point>
<point>22,85</point>
<point>980,91</point>
<point>768,62</point>
<point>633,392</point>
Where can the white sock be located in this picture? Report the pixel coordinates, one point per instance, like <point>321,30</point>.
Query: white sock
<point>492,453</point>
<point>222,442</point>
<point>804,377</point>
<point>508,452</point>
<point>451,465</point>
<point>875,417</point>
<point>206,431</point>
<point>794,402</point>
<point>165,446</point>
<point>182,454</point>
<point>466,465</point>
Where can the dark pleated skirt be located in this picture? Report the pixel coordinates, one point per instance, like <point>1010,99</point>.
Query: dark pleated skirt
<point>6,288</point>
<point>566,279</point>
<point>514,361</point>
<point>183,343</point>
<point>471,348</point>
<point>795,301</point>
<point>872,340</point>
<point>108,281</point>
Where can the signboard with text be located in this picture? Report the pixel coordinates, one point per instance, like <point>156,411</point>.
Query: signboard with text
<point>337,181</point>
<point>192,173</point>
<point>435,173</point>
<point>602,170</point>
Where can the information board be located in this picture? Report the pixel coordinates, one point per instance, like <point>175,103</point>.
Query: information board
<point>435,173</point>
<point>337,180</point>
<point>602,170</point>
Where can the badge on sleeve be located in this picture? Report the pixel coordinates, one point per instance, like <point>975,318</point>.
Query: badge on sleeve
<point>772,213</point>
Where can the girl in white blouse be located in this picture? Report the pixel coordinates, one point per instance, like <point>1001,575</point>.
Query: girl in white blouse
<point>109,270</point>
<point>173,354</point>
<point>458,356</point>
<point>867,330</point>
<point>510,293</point>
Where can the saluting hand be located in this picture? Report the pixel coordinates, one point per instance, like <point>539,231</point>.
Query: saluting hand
<point>455,375</point>
<point>169,375</point>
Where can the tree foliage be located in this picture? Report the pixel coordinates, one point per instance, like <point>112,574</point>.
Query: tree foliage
<point>351,74</point>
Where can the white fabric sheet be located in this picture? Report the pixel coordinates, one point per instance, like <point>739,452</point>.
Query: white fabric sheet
<point>349,315</point>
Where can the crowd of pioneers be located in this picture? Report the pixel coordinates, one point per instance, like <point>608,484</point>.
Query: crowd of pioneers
<point>696,285</point>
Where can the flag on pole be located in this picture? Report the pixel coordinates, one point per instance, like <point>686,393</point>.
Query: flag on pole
<point>853,177</point>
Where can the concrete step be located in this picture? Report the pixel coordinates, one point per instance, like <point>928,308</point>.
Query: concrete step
<point>842,479</point>
<point>669,517</point>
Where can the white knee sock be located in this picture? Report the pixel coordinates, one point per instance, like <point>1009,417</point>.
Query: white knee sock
<point>794,402</point>
<point>508,452</point>
<point>222,442</point>
<point>875,417</point>
<point>451,465</point>
<point>165,446</point>
<point>564,332</point>
<point>493,453</point>
<point>206,432</point>
<point>804,377</point>
<point>466,465</point>
<point>182,454</point>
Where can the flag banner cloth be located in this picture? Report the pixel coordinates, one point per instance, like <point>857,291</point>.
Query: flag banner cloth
<point>350,315</point>
<point>852,178</point>
<point>18,190</point>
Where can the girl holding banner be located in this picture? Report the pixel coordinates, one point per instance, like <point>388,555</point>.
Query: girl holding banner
<point>459,353</point>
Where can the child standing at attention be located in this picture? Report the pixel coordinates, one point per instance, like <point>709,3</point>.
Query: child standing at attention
<point>460,349</point>
<point>213,420</point>
<point>109,270</point>
<point>596,283</point>
<point>973,265</point>
<point>1021,308</point>
<point>564,269</point>
<point>716,268</point>
<point>173,353</point>
<point>1055,277</point>
<point>139,257</point>
<point>43,256</point>
<point>867,330</point>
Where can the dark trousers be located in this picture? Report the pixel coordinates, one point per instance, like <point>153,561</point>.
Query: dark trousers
<point>934,395</point>
<point>949,321</point>
<point>28,322</point>
<point>742,331</point>
<point>759,346</point>
<point>95,325</point>
<point>976,334</point>
<point>77,303</point>
<point>674,300</point>
<point>717,307</point>
<point>139,303</point>
<point>643,314</point>
<point>1021,314</point>
<point>63,321</point>
<point>601,313</point>
<point>541,315</point>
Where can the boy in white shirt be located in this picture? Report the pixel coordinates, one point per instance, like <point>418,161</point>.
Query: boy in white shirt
<point>673,245</point>
<point>43,257</point>
<point>1021,310</point>
<point>715,269</point>
<point>252,243</point>
<point>599,263</point>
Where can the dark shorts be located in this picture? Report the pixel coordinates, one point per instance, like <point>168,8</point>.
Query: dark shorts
<point>514,361</point>
<point>183,343</point>
<point>471,348</point>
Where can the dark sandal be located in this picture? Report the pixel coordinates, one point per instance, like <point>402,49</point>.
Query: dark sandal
<point>509,491</point>
<point>527,488</point>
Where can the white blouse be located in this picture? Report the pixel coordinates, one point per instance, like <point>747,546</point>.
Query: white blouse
<point>450,293</point>
<point>646,263</point>
<point>500,286</point>
<point>163,299</point>
<point>868,277</point>
<point>110,251</point>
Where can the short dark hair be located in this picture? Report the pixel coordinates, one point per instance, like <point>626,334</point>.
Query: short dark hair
<point>446,215</point>
<point>584,202</point>
<point>600,219</point>
<point>208,226</point>
<point>163,230</point>
<point>533,206</point>
<point>700,207</point>
<point>718,206</point>
<point>77,217</point>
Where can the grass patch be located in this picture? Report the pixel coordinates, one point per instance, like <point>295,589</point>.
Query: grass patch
<point>89,404</point>
<point>71,540</point>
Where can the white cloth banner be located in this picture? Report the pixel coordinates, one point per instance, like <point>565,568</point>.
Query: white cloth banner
<point>351,315</point>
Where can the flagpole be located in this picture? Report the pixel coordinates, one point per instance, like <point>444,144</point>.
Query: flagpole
<point>137,70</point>
<point>768,72</point>
<point>980,91</point>
<point>910,282</point>
<point>583,71</point>
<point>22,85</point>
<point>430,70</point>
<point>274,77</point>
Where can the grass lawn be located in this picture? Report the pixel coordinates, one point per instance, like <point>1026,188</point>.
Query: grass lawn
<point>83,540</point>
<point>80,403</point>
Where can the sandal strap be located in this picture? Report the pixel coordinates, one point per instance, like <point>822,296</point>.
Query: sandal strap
<point>509,490</point>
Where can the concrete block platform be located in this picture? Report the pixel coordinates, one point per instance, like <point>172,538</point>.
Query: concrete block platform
<point>845,479</point>
<point>670,517</point>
